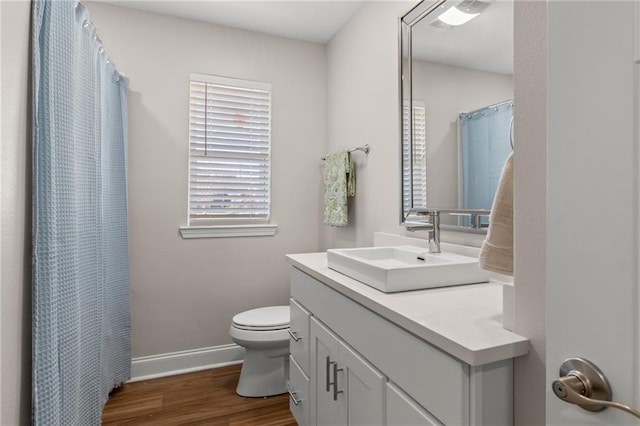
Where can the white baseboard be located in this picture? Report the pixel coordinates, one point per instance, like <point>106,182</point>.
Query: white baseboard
<point>169,364</point>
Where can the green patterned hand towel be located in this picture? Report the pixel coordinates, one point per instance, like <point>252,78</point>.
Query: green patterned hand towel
<point>339,182</point>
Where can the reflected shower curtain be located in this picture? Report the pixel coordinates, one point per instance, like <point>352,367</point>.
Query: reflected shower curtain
<point>485,146</point>
<point>81,308</point>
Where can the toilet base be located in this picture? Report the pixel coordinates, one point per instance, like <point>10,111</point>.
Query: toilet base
<point>264,373</point>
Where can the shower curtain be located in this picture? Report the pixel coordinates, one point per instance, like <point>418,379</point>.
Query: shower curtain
<point>81,308</point>
<point>484,146</point>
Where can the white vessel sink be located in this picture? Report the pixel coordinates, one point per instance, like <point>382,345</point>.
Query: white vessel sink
<point>402,268</point>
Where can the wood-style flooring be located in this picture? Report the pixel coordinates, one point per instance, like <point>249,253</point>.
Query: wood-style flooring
<point>201,398</point>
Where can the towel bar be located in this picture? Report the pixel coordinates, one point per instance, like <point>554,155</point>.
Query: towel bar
<point>364,148</point>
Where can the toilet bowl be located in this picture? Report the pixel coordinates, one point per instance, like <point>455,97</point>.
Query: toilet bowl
<point>264,333</point>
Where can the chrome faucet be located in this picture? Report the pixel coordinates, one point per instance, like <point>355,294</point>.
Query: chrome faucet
<point>434,233</point>
<point>433,226</point>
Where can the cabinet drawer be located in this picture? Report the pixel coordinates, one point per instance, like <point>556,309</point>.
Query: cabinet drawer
<point>299,402</point>
<point>404,411</point>
<point>299,339</point>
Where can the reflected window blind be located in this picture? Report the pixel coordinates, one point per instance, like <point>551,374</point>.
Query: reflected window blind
<point>419,158</point>
<point>229,141</point>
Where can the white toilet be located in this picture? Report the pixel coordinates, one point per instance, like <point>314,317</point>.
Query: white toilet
<point>264,333</point>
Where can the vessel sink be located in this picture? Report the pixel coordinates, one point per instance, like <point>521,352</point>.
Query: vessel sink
<point>402,268</point>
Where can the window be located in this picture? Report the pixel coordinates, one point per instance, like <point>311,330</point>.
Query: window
<point>419,154</point>
<point>229,157</point>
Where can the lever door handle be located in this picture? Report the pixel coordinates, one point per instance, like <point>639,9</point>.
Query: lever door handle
<point>583,383</point>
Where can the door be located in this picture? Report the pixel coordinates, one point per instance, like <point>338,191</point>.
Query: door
<point>592,201</point>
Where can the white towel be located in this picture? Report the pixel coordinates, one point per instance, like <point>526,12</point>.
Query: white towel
<point>497,250</point>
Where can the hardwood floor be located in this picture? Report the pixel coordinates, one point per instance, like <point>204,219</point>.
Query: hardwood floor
<point>201,398</point>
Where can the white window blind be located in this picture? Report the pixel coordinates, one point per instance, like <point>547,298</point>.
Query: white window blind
<point>229,160</point>
<point>419,158</point>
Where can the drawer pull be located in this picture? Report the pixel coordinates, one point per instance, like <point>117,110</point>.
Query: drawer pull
<point>293,335</point>
<point>292,396</point>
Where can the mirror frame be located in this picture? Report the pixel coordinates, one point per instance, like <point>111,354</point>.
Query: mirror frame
<point>405,62</point>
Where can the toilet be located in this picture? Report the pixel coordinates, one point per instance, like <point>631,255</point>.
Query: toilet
<point>264,333</point>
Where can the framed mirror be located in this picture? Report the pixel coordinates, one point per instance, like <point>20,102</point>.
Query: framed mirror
<point>456,108</point>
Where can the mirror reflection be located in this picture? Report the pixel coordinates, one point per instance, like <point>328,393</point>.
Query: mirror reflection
<point>457,73</point>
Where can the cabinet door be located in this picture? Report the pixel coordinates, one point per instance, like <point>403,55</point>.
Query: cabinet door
<point>329,405</point>
<point>363,387</point>
<point>348,390</point>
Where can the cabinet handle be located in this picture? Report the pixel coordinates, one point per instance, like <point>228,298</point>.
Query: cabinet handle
<point>329,362</point>
<point>292,395</point>
<point>335,381</point>
<point>335,377</point>
<point>293,335</point>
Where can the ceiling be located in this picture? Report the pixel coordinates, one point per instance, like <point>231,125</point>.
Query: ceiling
<point>309,20</point>
<point>485,43</point>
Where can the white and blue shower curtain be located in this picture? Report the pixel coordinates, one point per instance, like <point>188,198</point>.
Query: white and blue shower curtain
<point>81,302</point>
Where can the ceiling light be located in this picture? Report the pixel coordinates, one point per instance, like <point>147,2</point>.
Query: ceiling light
<point>454,16</point>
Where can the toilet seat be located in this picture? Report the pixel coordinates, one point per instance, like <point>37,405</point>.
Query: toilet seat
<point>260,338</point>
<point>271,318</point>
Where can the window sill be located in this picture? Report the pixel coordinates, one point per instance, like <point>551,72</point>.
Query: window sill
<point>228,231</point>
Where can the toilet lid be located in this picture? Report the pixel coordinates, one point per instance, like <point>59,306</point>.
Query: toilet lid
<point>269,318</point>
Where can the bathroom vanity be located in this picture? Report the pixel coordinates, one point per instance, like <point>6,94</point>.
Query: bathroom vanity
<point>429,357</point>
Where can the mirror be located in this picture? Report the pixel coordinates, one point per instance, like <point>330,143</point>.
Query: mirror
<point>458,78</point>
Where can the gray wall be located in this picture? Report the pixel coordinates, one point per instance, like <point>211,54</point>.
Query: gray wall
<point>361,107</point>
<point>15,212</point>
<point>185,292</point>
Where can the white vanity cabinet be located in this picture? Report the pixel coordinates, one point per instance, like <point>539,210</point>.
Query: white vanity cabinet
<point>362,368</point>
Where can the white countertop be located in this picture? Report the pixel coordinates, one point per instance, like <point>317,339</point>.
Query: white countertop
<point>464,321</point>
